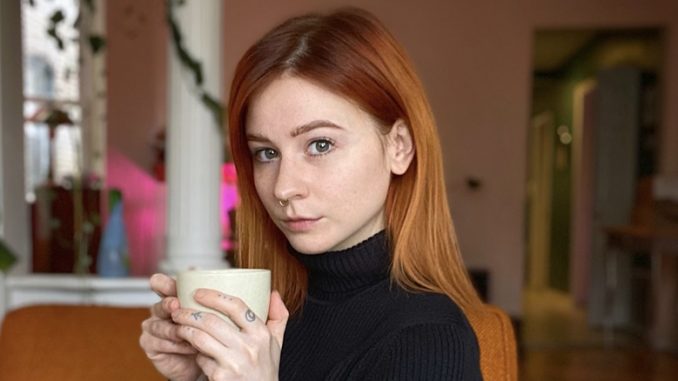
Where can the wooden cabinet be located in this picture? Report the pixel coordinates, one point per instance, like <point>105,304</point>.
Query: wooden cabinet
<point>57,232</point>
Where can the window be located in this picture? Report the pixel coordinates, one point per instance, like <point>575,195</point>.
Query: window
<point>51,81</point>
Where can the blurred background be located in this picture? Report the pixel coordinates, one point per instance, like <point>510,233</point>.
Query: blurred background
<point>557,119</point>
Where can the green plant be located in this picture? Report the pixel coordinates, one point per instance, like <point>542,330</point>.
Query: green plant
<point>192,64</point>
<point>95,41</point>
<point>7,256</point>
<point>98,42</point>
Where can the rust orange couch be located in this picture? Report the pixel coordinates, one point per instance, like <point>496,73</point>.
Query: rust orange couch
<point>61,342</point>
<point>74,343</point>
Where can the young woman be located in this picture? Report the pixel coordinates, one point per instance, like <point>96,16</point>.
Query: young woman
<point>343,198</point>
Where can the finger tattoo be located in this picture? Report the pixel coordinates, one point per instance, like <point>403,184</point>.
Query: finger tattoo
<point>197,315</point>
<point>250,316</point>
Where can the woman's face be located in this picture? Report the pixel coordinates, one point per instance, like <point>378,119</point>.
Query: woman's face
<point>324,158</point>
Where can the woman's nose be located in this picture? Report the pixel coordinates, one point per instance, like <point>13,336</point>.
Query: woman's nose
<point>290,184</point>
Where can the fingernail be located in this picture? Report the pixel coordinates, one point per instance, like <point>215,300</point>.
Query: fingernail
<point>199,293</point>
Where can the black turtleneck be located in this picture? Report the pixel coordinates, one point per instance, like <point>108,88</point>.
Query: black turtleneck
<point>357,325</point>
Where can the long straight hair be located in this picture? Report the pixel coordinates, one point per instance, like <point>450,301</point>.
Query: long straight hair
<point>350,53</point>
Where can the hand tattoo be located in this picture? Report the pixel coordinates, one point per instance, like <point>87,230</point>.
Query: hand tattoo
<point>197,315</point>
<point>250,316</point>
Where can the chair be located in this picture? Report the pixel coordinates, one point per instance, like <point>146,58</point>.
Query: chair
<point>498,353</point>
<point>69,342</point>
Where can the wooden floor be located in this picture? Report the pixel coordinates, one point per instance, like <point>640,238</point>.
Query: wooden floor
<point>589,364</point>
<point>558,345</point>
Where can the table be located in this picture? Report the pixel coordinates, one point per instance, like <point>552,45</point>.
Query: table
<point>661,243</point>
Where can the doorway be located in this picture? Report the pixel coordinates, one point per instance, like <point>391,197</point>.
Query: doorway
<point>592,140</point>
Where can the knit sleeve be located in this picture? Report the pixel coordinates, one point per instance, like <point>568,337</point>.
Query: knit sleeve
<point>429,352</point>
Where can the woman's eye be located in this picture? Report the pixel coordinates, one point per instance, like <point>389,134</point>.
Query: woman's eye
<point>320,147</point>
<point>265,154</point>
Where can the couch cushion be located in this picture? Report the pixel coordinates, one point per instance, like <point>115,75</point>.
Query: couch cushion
<point>65,342</point>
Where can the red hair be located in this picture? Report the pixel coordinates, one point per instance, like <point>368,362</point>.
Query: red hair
<point>350,53</point>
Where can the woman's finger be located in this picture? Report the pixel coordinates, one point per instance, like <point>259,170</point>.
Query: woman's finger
<point>164,308</point>
<point>163,285</point>
<point>209,367</point>
<point>153,345</point>
<point>277,317</point>
<point>205,343</point>
<point>236,310</point>
<point>224,333</point>
<point>160,328</point>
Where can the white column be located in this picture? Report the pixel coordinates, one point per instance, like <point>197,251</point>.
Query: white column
<point>14,225</point>
<point>194,143</point>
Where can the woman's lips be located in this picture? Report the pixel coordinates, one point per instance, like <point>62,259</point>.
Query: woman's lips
<point>299,225</point>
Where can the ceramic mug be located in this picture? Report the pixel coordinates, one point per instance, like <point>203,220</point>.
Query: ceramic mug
<point>253,286</point>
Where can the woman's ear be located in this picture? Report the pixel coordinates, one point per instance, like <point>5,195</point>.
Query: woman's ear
<point>400,147</point>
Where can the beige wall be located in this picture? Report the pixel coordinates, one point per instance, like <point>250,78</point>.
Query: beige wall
<point>137,76</point>
<point>474,57</point>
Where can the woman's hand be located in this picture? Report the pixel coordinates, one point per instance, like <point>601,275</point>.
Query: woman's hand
<point>173,357</point>
<point>250,351</point>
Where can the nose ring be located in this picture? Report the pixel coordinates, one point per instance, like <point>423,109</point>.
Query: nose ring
<point>283,203</point>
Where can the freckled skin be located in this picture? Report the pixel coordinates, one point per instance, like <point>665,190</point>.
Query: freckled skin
<point>339,177</point>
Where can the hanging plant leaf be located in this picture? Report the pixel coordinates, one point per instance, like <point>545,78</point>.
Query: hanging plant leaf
<point>51,32</point>
<point>215,108</point>
<point>194,66</point>
<point>7,256</point>
<point>57,17</point>
<point>96,43</point>
<point>184,57</point>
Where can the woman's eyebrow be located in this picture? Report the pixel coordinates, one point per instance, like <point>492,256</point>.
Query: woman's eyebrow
<point>304,128</point>
<point>257,138</point>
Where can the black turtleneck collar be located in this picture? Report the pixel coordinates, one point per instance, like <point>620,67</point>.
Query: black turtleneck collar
<point>337,275</point>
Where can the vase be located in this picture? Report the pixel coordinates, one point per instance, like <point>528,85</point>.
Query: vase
<point>113,258</point>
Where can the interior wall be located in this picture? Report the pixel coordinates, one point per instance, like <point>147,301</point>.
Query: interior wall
<point>137,77</point>
<point>475,61</point>
<point>478,83</point>
<point>14,219</point>
<point>136,113</point>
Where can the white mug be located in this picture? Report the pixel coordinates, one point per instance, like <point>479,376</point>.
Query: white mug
<point>253,286</point>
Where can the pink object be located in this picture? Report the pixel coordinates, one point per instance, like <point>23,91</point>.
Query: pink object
<point>145,210</point>
<point>229,200</point>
